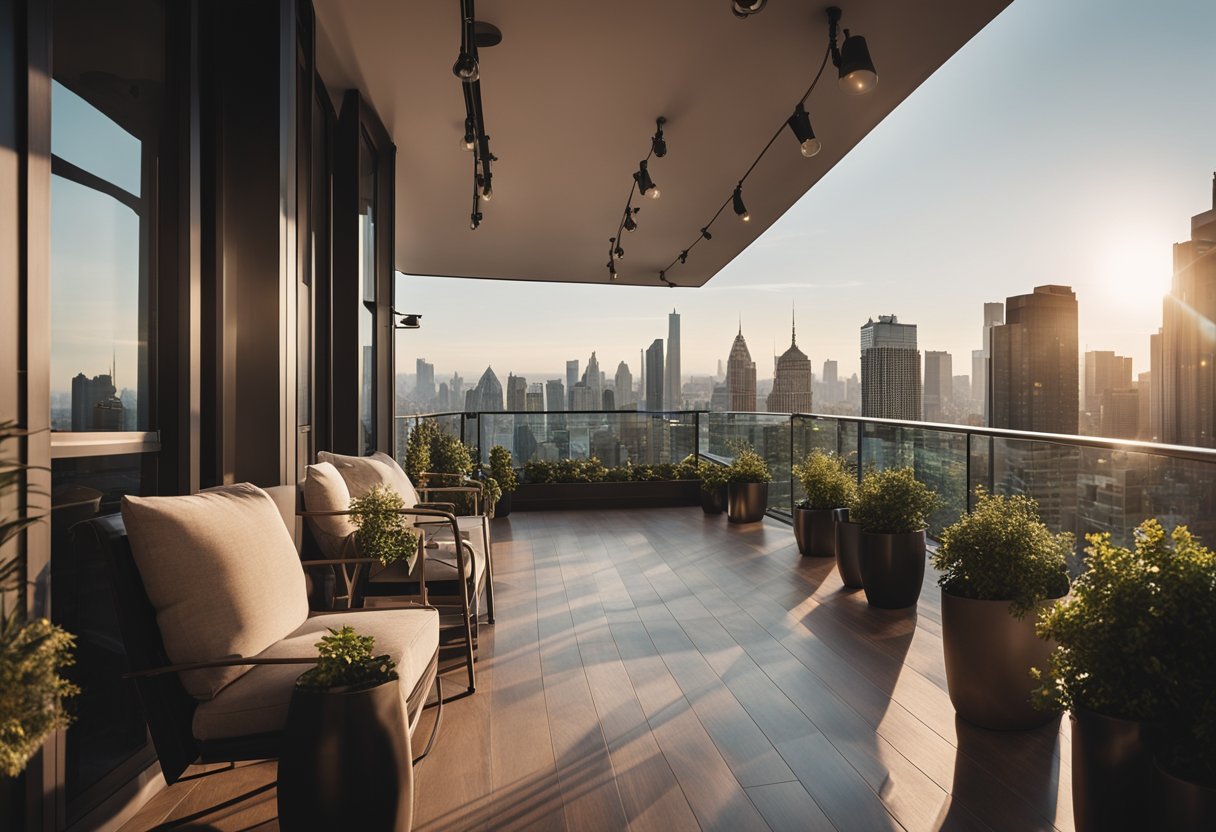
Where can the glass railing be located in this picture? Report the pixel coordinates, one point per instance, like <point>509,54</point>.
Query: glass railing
<point>767,433</point>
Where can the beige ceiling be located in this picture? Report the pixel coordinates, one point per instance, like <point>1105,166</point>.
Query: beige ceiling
<point>571,95</point>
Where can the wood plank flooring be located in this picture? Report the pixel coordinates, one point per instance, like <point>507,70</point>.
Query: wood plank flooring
<point>664,670</point>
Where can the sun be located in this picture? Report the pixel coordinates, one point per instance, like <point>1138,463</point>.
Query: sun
<point>1134,269</point>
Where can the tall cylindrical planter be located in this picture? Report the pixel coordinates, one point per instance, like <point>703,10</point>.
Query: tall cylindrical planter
<point>713,502</point>
<point>989,654</point>
<point>892,568</point>
<point>1113,787</point>
<point>848,551</point>
<point>815,531</point>
<point>346,761</point>
<point>503,507</point>
<point>746,502</point>
<point>1186,805</point>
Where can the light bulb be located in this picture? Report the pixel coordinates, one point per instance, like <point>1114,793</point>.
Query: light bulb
<point>857,73</point>
<point>468,143</point>
<point>859,81</point>
<point>487,193</point>
<point>465,68</point>
<point>745,216</point>
<point>811,147</point>
<point>654,193</point>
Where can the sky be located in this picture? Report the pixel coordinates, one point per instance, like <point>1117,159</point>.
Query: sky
<point>1068,142</point>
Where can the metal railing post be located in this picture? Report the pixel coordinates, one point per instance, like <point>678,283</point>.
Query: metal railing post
<point>967,473</point>
<point>696,419</point>
<point>860,450</point>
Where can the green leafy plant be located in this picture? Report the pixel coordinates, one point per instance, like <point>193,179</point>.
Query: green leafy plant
<point>418,449</point>
<point>892,501</point>
<point>748,466</point>
<point>592,470</point>
<point>502,469</point>
<point>451,456</point>
<point>827,480</point>
<point>491,493</point>
<point>1136,639</point>
<point>380,530</point>
<point>1002,551</point>
<point>33,652</point>
<point>347,660</point>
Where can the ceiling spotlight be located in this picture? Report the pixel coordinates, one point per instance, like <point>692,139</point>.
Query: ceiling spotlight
<point>483,185</point>
<point>658,145</point>
<point>409,321</point>
<point>474,220</point>
<point>740,208</point>
<point>852,59</point>
<point>618,253</point>
<point>611,270</point>
<point>630,223</point>
<point>469,142</point>
<point>684,256</point>
<point>645,184</point>
<point>800,123</point>
<point>744,9</point>
<point>465,68</point>
<point>705,233</point>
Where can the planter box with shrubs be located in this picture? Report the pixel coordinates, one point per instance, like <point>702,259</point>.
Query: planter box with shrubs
<point>589,484</point>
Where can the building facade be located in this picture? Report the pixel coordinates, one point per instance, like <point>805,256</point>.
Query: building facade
<point>792,379</point>
<point>672,375</point>
<point>740,376</point>
<point>1034,363</point>
<point>939,385</point>
<point>890,369</point>
<point>654,375</point>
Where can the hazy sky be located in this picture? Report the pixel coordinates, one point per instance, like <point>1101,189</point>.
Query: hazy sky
<point>1068,142</point>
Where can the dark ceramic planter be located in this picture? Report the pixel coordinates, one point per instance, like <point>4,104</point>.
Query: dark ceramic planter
<point>346,761</point>
<point>503,507</point>
<point>1112,773</point>
<point>1186,805</point>
<point>892,568</point>
<point>746,502</point>
<point>815,531</point>
<point>989,654</point>
<point>848,551</point>
<point>713,502</point>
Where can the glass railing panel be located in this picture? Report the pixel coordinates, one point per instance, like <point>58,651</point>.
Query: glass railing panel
<point>768,434</point>
<point>811,433</point>
<point>614,437</point>
<point>939,458</point>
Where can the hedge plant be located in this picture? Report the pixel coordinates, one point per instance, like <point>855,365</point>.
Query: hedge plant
<point>748,466</point>
<point>827,481</point>
<point>893,501</point>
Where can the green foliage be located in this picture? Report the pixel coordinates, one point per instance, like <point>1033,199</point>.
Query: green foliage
<point>1137,638</point>
<point>32,691</point>
<point>748,466</point>
<point>346,660</point>
<point>502,470</point>
<point>418,449</point>
<point>1002,551</point>
<point>827,480</point>
<point>892,501</point>
<point>380,531</point>
<point>592,470</point>
<point>450,456</point>
<point>491,493</point>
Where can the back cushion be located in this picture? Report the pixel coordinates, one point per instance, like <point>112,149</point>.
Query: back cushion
<point>325,490</point>
<point>222,573</point>
<point>363,473</point>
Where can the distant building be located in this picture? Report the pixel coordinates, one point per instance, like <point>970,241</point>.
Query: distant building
<point>939,385</point>
<point>593,379</point>
<point>607,400</point>
<point>791,391</point>
<point>456,390</point>
<point>486,396</point>
<point>671,374</point>
<point>654,375</point>
<point>623,384</point>
<point>444,397</point>
<point>571,380</point>
<point>1120,414</point>
<point>517,393</point>
<point>741,376</point>
<point>890,369</point>
<point>1034,363</point>
<point>534,399</point>
<point>994,315</point>
<point>555,395</point>
<point>424,380</point>
<point>961,394</point>
<point>1144,389</point>
<point>94,405</point>
<point>583,397</point>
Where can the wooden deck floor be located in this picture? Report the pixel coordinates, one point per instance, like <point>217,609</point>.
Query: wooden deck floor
<point>663,670</point>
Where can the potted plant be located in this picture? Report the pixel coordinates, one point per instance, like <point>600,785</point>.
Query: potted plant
<point>346,750</point>
<point>713,486</point>
<point>502,471</point>
<point>381,531</point>
<point>747,480</point>
<point>33,652</point>
<point>830,487</point>
<point>848,545</point>
<point>893,508</point>
<point>1000,566</point>
<point>1133,662</point>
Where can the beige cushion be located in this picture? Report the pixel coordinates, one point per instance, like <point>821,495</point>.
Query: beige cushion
<point>222,573</point>
<point>363,473</point>
<point>441,563</point>
<point>325,490</point>
<point>257,702</point>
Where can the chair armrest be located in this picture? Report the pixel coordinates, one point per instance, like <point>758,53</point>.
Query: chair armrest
<point>448,506</point>
<point>337,562</point>
<point>236,661</point>
<point>449,489</point>
<point>458,477</point>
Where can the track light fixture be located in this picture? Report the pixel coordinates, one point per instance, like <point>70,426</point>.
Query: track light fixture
<point>658,145</point>
<point>642,184</point>
<point>484,187</point>
<point>800,124</point>
<point>469,142</point>
<point>611,270</point>
<point>740,208</point>
<point>646,186</point>
<point>465,68</point>
<point>630,223</point>
<point>852,58</point>
<point>744,9</point>
<point>684,256</point>
<point>705,235</point>
<point>475,139</point>
<point>474,220</point>
<point>407,321</point>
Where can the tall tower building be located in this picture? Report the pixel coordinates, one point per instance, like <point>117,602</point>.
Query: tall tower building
<point>555,395</point>
<point>456,391</point>
<point>672,393</point>
<point>624,386</point>
<point>791,391</point>
<point>593,379</point>
<point>1186,377</point>
<point>654,375</point>
<point>517,393</point>
<point>534,399</point>
<point>1034,363</point>
<point>741,376</point>
<point>890,369</point>
<point>424,380</point>
<point>939,385</point>
<point>487,395</point>
<point>994,315</point>
<point>571,380</point>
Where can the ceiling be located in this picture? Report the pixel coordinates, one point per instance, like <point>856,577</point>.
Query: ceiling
<point>571,96</point>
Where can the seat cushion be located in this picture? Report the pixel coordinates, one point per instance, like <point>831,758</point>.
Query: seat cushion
<point>325,490</point>
<point>441,563</point>
<point>257,702</point>
<point>222,573</point>
<point>363,473</point>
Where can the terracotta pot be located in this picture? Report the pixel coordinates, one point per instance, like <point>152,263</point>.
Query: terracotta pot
<point>848,551</point>
<point>815,531</point>
<point>346,761</point>
<point>713,502</point>
<point>1112,773</point>
<point>1187,805</point>
<point>892,568</point>
<point>746,502</point>
<point>989,654</point>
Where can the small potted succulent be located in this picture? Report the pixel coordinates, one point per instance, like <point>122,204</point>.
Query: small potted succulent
<point>893,508</point>
<point>346,750</point>
<point>713,486</point>
<point>1000,567</point>
<point>830,488</point>
<point>1135,663</point>
<point>747,480</point>
<point>502,471</point>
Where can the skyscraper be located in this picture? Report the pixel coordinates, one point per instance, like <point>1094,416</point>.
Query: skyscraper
<point>571,380</point>
<point>791,391</point>
<point>593,379</point>
<point>741,376</point>
<point>517,393</point>
<point>994,315</point>
<point>555,395</point>
<point>654,375</point>
<point>1034,363</point>
<point>939,384</point>
<point>624,386</point>
<point>424,381</point>
<point>672,391</point>
<point>456,391</point>
<point>1186,376</point>
<point>534,399</point>
<point>487,395</point>
<point>890,369</point>
<point>94,403</point>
